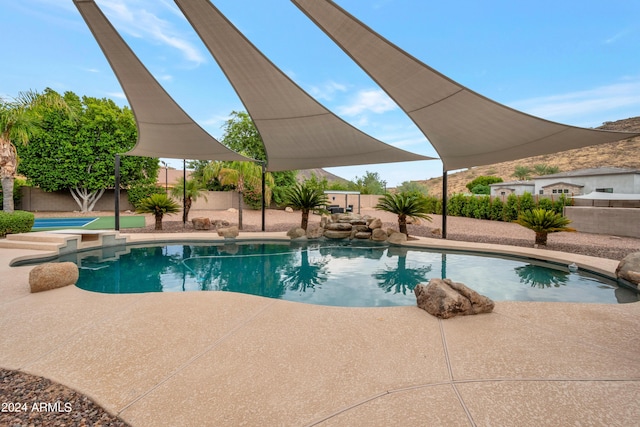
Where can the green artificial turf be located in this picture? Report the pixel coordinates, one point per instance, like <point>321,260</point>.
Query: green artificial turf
<point>106,223</point>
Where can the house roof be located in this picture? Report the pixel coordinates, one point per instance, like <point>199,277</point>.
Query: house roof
<point>466,128</point>
<point>591,172</point>
<point>502,184</point>
<point>570,184</point>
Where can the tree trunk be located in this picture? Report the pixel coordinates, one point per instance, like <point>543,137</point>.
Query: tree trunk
<point>541,238</point>
<point>187,208</point>
<point>402,224</point>
<point>239,210</point>
<point>8,163</point>
<point>159,221</point>
<point>305,219</point>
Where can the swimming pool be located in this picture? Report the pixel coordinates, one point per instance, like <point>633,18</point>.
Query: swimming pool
<point>333,274</point>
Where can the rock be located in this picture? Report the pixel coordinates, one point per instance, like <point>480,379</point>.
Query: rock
<point>436,232</point>
<point>375,223</point>
<point>339,226</point>
<point>232,210</point>
<point>445,298</point>
<point>397,238</point>
<point>201,223</point>
<point>228,232</point>
<point>629,268</point>
<point>296,233</point>
<point>355,222</point>
<point>362,235</point>
<point>288,209</point>
<point>361,228</point>
<point>324,221</point>
<point>52,276</point>
<point>315,232</point>
<point>379,235</point>
<point>337,234</point>
<point>217,223</point>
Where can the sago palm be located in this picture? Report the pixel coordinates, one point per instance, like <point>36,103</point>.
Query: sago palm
<point>305,198</point>
<point>543,222</point>
<point>405,205</point>
<point>158,205</point>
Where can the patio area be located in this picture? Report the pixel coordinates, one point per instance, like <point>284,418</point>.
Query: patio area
<point>229,359</point>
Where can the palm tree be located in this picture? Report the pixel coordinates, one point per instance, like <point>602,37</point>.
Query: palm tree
<point>522,173</point>
<point>405,205</point>
<point>242,175</point>
<point>159,205</point>
<point>194,190</point>
<point>18,120</point>
<point>543,222</point>
<point>305,197</point>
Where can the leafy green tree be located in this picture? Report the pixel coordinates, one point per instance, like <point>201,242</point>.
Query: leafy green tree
<point>481,189</point>
<point>522,173</point>
<point>370,183</point>
<point>139,191</point>
<point>76,150</point>
<point>158,205</point>
<point>412,187</point>
<point>19,120</point>
<point>483,180</point>
<point>543,222</point>
<point>241,135</point>
<point>511,208</point>
<point>545,203</point>
<point>497,210</point>
<point>526,202</point>
<point>544,169</point>
<point>405,205</point>
<point>194,191</point>
<point>306,198</point>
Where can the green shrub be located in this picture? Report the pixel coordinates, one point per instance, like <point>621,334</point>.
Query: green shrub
<point>558,205</point>
<point>496,210</point>
<point>511,209</point>
<point>15,222</point>
<point>455,207</point>
<point>545,203</point>
<point>526,202</point>
<point>137,192</point>
<point>483,208</point>
<point>253,197</point>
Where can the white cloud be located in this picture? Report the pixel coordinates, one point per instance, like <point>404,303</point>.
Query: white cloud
<point>576,105</point>
<point>327,91</point>
<point>118,95</point>
<point>138,19</point>
<point>372,100</point>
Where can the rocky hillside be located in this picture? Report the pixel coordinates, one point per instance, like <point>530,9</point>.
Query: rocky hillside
<point>622,154</point>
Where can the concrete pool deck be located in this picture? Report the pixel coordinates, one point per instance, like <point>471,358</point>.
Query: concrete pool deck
<point>217,358</point>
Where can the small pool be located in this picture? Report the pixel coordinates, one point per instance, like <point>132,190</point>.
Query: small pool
<point>41,223</point>
<point>333,274</point>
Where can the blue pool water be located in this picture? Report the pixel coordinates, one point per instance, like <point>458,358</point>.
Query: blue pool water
<point>332,274</point>
<point>61,222</point>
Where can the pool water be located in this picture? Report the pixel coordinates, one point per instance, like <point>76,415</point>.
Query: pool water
<point>332,274</point>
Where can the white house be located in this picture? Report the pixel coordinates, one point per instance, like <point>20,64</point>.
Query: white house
<point>514,187</point>
<point>585,181</point>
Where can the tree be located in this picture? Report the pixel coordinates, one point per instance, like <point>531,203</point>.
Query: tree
<point>370,183</point>
<point>405,205</point>
<point>194,190</point>
<point>305,197</point>
<point>19,119</point>
<point>522,173</point>
<point>241,136</point>
<point>158,205</point>
<point>543,222</point>
<point>481,189</point>
<point>484,180</point>
<point>412,187</point>
<point>544,169</point>
<point>240,175</point>
<point>76,151</point>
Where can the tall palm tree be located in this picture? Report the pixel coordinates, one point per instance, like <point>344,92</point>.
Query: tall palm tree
<point>522,173</point>
<point>158,205</point>
<point>193,190</point>
<point>18,120</point>
<point>305,197</point>
<point>405,205</point>
<point>543,222</point>
<point>242,175</point>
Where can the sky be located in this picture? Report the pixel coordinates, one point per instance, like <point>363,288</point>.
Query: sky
<point>571,62</point>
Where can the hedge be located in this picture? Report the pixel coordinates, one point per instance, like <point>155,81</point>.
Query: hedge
<point>16,222</point>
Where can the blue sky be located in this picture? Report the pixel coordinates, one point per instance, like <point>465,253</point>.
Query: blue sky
<point>567,61</point>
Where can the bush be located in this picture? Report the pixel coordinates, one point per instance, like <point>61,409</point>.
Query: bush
<point>15,222</point>
<point>483,181</point>
<point>511,208</point>
<point>497,210</point>
<point>137,192</point>
<point>253,197</point>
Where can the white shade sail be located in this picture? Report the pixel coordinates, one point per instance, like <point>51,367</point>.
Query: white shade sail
<point>164,129</point>
<point>465,128</point>
<point>297,131</point>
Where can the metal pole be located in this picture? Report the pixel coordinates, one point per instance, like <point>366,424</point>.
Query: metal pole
<point>264,186</point>
<point>117,193</point>
<point>444,204</point>
<point>184,193</point>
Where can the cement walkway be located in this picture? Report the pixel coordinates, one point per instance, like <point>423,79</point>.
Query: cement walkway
<point>218,359</point>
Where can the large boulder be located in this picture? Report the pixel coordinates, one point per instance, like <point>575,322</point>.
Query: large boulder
<point>337,234</point>
<point>315,232</point>
<point>339,226</point>
<point>296,233</point>
<point>629,268</point>
<point>201,223</point>
<point>220,223</point>
<point>397,238</point>
<point>445,298</point>
<point>229,232</point>
<point>362,235</point>
<point>375,223</point>
<point>52,276</point>
<point>379,235</point>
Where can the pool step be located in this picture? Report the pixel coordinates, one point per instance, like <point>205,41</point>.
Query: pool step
<point>39,236</point>
<point>38,246</point>
<point>63,241</point>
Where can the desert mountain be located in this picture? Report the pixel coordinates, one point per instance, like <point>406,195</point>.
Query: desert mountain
<point>622,154</point>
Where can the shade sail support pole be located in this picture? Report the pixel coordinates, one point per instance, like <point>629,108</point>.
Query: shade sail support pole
<point>444,204</point>
<point>184,193</point>
<point>116,193</point>
<point>264,203</point>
